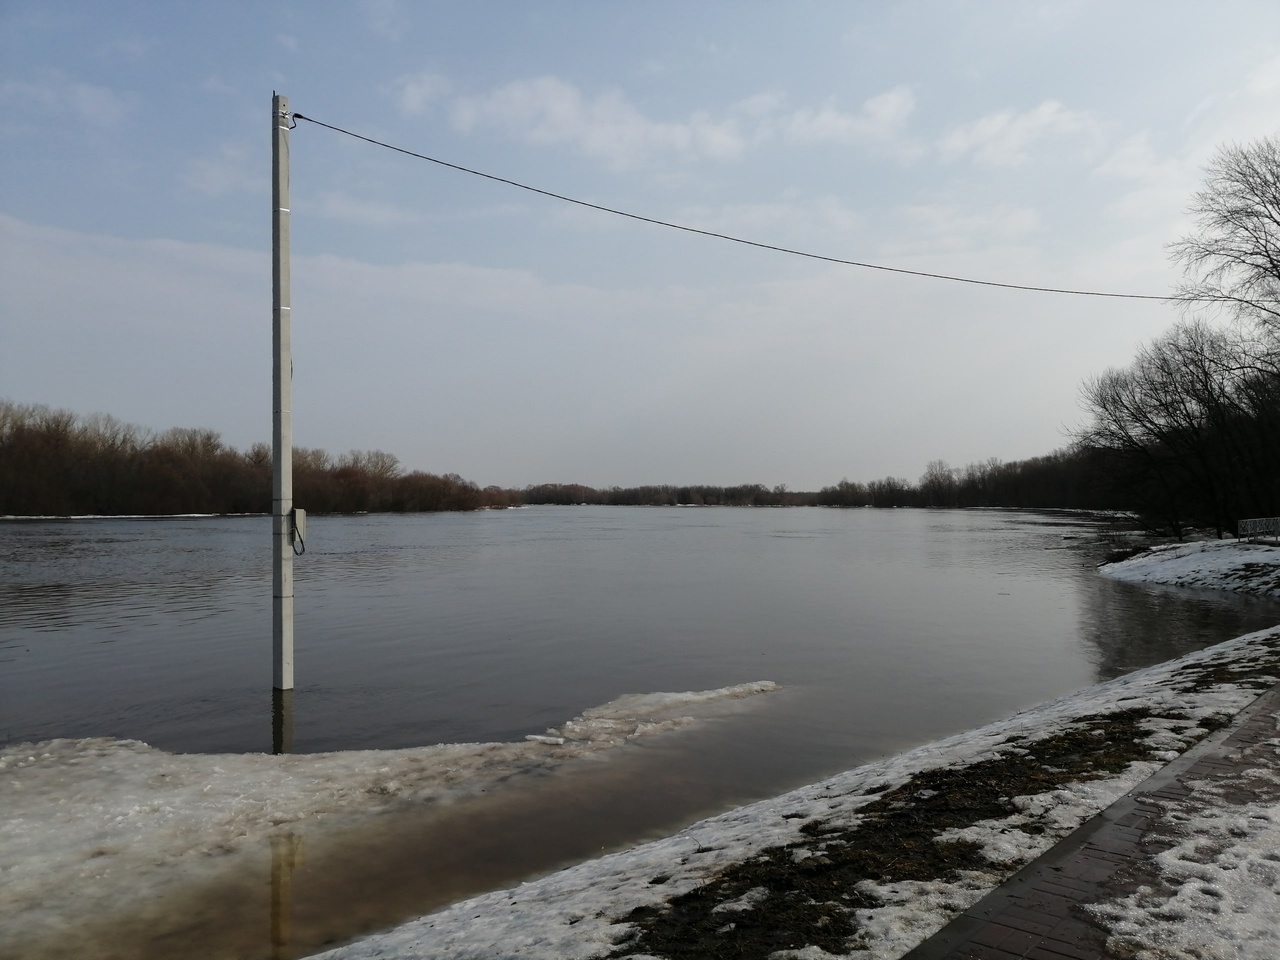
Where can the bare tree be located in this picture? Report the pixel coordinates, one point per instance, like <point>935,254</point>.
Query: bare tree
<point>1191,423</point>
<point>938,484</point>
<point>1234,255</point>
<point>312,458</point>
<point>194,442</point>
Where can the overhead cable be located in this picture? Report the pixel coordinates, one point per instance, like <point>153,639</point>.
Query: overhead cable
<point>753,243</point>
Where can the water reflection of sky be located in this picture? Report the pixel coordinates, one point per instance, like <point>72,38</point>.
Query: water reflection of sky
<point>886,627</point>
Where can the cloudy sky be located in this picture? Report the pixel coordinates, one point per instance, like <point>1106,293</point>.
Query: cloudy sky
<point>470,327</point>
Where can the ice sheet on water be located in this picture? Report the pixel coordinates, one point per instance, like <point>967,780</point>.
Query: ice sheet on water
<point>639,714</point>
<point>90,823</point>
<point>663,704</point>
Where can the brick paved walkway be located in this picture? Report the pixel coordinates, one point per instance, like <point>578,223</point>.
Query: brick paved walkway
<point>1036,913</point>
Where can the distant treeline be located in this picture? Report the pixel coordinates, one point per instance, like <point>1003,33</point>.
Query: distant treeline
<point>55,463</point>
<point>663,495</point>
<point>1212,470</point>
<point>1066,479</point>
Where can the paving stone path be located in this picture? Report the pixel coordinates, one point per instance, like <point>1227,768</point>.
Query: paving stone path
<point>1037,913</point>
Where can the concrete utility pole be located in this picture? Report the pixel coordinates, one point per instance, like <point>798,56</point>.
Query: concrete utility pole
<point>282,417</point>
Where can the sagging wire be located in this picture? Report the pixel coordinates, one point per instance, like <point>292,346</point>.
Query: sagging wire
<point>753,243</point>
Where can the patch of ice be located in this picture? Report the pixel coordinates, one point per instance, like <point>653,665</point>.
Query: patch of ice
<point>664,704</point>
<point>89,824</point>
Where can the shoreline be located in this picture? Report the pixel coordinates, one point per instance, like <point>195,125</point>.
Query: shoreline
<point>714,870</point>
<point>624,904</point>
<point>608,907</point>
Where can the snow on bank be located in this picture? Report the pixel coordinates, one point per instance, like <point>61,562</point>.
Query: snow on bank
<point>90,826</point>
<point>1216,893</point>
<point>94,827</point>
<point>1218,564</point>
<point>582,912</point>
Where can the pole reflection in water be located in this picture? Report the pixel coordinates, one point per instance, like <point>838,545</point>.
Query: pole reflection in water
<point>281,721</point>
<point>285,856</point>
<point>284,848</point>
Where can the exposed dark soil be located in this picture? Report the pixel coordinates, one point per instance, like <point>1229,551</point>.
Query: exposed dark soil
<point>1258,674</point>
<point>1123,553</point>
<point>805,893</point>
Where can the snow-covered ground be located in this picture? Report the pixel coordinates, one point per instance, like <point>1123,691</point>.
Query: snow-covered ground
<point>1216,892</point>
<point>90,826</point>
<point>576,913</point>
<point>1235,565</point>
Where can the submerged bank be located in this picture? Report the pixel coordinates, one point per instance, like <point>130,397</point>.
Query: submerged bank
<point>873,861</point>
<point>893,852</point>
<point>114,848</point>
<point>883,843</point>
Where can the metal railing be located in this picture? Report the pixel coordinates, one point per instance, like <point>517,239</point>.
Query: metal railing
<point>1259,527</point>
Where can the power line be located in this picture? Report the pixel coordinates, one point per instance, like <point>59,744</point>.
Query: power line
<point>752,243</point>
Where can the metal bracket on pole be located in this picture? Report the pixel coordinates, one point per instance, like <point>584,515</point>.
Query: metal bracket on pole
<point>282,390</point>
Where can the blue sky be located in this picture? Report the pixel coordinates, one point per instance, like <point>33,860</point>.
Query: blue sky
<point>469,327</point>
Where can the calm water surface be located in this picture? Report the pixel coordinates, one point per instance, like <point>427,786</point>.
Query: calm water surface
<point>885,628</point>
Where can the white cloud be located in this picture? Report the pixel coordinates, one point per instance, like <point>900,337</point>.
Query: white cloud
<point>1160,182</point>
<point>1132,160</point>
<point>227,173</point>
<point>883,118</point>
<point>547,110</point>
<point>290,43</point>
<point>59,95</point>
<point>339,206</point>
<point>386,18</point>
<point>768,221</point>
<point>215,84</point>
<point>1238,115</point>
<point>1160,185</point>
<point>760,105</point>
<point>936,228</point>
<point>416,92</point>
<point>1004,139</point>
<point>1003,222</point>
<point>174,318</point>
<point>132,48</point>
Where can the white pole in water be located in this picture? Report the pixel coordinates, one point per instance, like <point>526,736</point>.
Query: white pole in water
<point>282,389</point>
